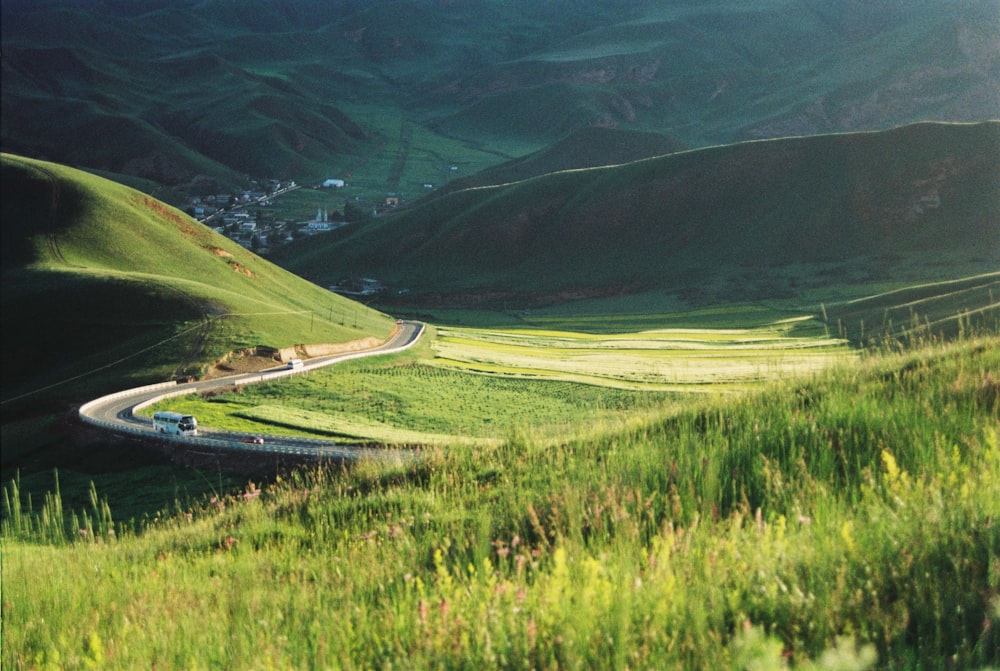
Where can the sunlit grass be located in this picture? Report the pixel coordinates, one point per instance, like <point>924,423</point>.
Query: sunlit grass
<point>679,358</point>
<point>471,385</point>
<point>840,522</point>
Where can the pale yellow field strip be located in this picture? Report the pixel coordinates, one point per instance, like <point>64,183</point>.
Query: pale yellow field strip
<point>667,358</point>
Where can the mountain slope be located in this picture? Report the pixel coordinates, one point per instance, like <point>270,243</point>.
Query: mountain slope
<point>105,282</point>
<point>169,91</point>
<point>733,222</point>
<point>586,148</point>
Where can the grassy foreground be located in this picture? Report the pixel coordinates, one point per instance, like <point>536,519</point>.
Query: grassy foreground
<point>846,522</point>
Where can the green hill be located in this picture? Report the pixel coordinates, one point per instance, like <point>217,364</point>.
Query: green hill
<point>951,308</point>
<point>586,148</point>
<point>104,287</point>
<point>758,220</point>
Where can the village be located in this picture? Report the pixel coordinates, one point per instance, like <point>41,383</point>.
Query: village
<point>250,218</point>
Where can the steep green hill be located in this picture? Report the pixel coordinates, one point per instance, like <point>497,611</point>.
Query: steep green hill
<point>756,220</point>
<point>104,286</point>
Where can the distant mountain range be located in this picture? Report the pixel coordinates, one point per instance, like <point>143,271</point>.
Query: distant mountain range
<point>182,90</point>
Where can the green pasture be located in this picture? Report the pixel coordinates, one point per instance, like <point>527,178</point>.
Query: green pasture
<point>407,154</point>
<point>676,359</point>
<point>470,385</point>
<point>407,400</point>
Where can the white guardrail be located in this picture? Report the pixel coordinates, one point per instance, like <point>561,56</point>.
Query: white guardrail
<point>314,446</point>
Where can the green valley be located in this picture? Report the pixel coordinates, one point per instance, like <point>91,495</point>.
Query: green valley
<point>664,334</point>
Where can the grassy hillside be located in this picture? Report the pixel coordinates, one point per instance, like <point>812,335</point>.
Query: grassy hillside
<point>947,309</point>
<point>585,148</point>
<point>847,522</point>
<point>221,90</point>
<point>718,72</point>
<point>104,287</point>
<point>730,224</point>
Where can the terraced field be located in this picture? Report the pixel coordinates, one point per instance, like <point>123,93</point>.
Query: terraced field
<point>675,359</point>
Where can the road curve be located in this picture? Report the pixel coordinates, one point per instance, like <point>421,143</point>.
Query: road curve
<point>116,412</point>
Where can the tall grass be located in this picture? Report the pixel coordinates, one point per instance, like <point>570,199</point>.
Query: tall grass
<point>51,523</point>
<point>839,523</point>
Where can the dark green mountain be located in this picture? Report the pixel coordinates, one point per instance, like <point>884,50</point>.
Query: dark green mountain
<point>740,222</point>
<point>297,88</point>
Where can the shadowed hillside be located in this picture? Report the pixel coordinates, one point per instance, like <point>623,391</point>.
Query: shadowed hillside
<point>586,148</point>
<point>299,89</point>
<point>104,287</point>
<point>951,309</point>
<point>738,222</point>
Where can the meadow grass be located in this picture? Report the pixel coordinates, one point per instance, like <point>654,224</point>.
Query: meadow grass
<point>408,400</point>
<point>838,522</point>
<point>484,384</point>
<point>679,359</point>
<point>410,155</point>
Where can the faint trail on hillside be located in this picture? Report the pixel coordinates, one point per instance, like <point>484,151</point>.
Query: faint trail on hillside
<point>203,328</point>
<point>52,220</point>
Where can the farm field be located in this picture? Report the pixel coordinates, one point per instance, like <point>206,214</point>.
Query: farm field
<point>471,385</point>
<point>675,359</point>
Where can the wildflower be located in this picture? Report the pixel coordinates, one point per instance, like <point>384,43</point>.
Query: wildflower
<point>422,611</point>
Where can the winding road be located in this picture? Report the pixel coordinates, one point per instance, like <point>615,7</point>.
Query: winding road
<point>116,412</point>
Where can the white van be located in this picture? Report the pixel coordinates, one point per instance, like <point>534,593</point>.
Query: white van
<point>294,364</point>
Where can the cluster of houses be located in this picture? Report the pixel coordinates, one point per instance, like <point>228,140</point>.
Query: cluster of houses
<point>247,219</point>
<point>231,215</point>
<point>262,233</point>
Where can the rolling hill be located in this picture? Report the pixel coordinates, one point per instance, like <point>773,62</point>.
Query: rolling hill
<point>104,286</point>
<point>301,89</point>
<point>749,221</point>
<point>589,147</point>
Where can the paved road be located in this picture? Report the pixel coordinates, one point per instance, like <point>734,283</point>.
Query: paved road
<point>226,210</point>
<point>116,411</point>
